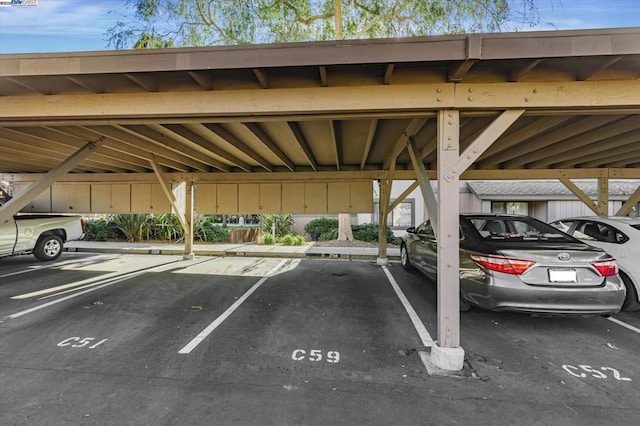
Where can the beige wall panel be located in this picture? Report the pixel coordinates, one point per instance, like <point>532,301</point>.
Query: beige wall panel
<point>270,198</point>
<point>315,198</point>
<point>40,204</point>
<point>293,198</point>
<point>248,198</point>
<point>120,198</point>
<point>361,197</point>
<point>149,198</point>
<point>338,197</point>
<point>159,201</point>
<point>227,198</point>
<point>71,198</point>
<point>206,198</point>
<point>110,198</point>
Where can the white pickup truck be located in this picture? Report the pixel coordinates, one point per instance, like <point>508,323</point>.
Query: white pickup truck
<point>42,235</point>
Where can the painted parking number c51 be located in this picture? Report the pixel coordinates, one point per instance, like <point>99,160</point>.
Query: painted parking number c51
<point>315,355</point>
<point>77,342</point>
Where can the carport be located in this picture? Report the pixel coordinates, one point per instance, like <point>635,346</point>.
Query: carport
<point>307,128</point>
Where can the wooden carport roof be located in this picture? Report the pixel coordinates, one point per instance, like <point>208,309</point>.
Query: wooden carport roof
<point>562,104</point>
<point>263,112</point>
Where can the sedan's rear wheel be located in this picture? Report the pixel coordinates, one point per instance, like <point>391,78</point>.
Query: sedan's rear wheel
<point>465,305</point>
<point>631,302</point>
<point>404,258</point>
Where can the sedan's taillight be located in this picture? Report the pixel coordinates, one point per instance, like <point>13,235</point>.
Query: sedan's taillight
<point>503,264</point>
<point>606,268</point>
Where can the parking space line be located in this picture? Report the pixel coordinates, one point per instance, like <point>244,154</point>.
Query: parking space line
<point>425,337</point>
<point>106,283</point>
<point>624,324</point>
<point>216,323</point>
<point>54,265</point>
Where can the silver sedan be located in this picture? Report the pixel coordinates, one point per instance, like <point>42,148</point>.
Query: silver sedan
<point>518,263</point>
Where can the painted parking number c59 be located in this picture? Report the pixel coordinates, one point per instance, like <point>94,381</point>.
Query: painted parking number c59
<point>315,355</point>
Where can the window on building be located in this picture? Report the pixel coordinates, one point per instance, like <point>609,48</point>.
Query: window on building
<point>510,207</point>
<point>402,217</point>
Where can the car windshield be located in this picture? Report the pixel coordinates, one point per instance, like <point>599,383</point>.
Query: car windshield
<point>516,229</point>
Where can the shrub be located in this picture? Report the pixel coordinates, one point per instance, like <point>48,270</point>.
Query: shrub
<point>164,227</point>
<point>320,226</point>
<point>369,233</point>
<point>268,238</point>
<point>283,224</point>
<point>133,226</point>
<point>96,230</point>
<point>328,236</point>
<point>287,240</point>
<point>298,240</point>
<point>205,230</point>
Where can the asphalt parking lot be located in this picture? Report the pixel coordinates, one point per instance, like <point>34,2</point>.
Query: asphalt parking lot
<point>152,339</point>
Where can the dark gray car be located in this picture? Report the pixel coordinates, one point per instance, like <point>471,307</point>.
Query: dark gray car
<point>518,263</point>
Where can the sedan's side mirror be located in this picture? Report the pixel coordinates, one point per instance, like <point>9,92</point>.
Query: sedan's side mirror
<point>411,230</point>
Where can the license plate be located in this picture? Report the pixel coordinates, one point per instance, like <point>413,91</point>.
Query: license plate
<point>563,276</point>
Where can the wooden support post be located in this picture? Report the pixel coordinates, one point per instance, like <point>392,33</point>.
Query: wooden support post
<point>581,195</point>
<point>446,352</point>
<point>383,209</point>
<point>188,209</point>
<point>603,196</point>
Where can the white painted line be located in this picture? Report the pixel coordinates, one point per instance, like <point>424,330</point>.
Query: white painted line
<point>624,324</point>
<point>106,284</point>
<point>425,337</point>
<point>52,265</point>
<point>216,323</point>
<point>77,284</point>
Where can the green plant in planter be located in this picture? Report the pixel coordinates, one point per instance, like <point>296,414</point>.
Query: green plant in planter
<point>133,226</point>
<point>268,238</point>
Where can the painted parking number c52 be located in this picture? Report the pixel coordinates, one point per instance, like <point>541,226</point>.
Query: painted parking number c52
<point>77,342</point>
<point>315,355</point>
<point>582,370</point>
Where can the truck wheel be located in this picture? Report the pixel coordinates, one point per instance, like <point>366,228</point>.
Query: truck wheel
<point>48,247</point>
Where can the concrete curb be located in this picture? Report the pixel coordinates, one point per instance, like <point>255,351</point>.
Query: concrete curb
<point>227,250</point>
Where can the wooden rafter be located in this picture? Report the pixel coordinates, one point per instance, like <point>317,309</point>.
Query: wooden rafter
<point>234,141</point>
<point>270,144</point>
<point>302,142</point>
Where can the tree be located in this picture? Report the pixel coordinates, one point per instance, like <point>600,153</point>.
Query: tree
<point>164,23</point>
<point>226,22</point>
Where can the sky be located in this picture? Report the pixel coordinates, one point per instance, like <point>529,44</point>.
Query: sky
<point>80,25</point>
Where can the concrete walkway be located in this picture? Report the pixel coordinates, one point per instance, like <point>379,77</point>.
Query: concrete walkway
<point>308,250</point>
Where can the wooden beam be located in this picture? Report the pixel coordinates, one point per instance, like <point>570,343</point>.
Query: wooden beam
<point>262,78</point>
<point>324,78</point>
<point>302,141</point>
<point>388,72</point>
<point>143,82</point>
<point>631,202</point>
<point>404,195</point>
<point>482,142</point>
<point>234,141</point>
<point>168,192</point>
<point>14,205</point>
<point>270,144</point>
<point>588,72</point>
<point>518,73</point>
<point>203,80</point>
<point>334,144</point>
<point>410,131</point>
<point>581,195</point>
<point>422,177</point>
<point>373,126</point>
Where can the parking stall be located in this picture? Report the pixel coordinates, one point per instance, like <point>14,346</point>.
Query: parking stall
<point>274,335</point>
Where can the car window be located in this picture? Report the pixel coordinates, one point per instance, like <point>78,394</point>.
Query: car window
<point>425,229</point>
<point>596,231</point>
<point>516,229</point>
<point>563,225</point>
